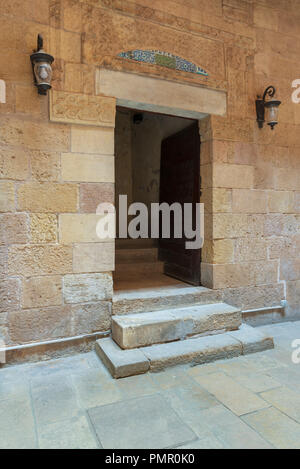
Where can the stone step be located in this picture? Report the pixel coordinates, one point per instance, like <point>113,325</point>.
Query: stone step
<point>193,351</point>
<point>131,256</point>
<point>139,268</point>
<point>142,329</point>
<point>139,301</point>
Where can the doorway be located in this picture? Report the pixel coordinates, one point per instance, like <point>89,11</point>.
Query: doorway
<point>157,161</point>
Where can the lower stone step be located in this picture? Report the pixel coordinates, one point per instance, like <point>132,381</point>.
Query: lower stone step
<point>194,351</point>
<point>139,330</point>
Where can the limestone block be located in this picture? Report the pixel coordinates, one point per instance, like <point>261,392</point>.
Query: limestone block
<point>82,109</point>
<point>3,261</point>
<point>28,101</point>
<point>39,260</point>
<point>41,324</point>
<point>43,228</point>
<point>13,228</point>
<point>34,135</point>
<point>290,269</point>
<point>250,249</point>
<point>91,318</point>
<point>233,176</point>
<point>280,202</point>
<point>227,225</point>
<point>87,168</point>
<point>87,288</point>
<point>80,228</point>
<point>70,49</point>
<point>293,297</point>
<point>223,251</point>
<point>287,179</point>
<point>121,363</point>
<point>47,197</point>
<point>95,257</point>
<point>9,295</point>
<point>249,201</point>
<point>252,340</point>
<point>91,195</point>
<point>255,297</point>
<point>236,275</point>
<point>281,225</point>
<point>7,196</point>
<point>14,163</point>
<point>221,200</point>
<point>42,291</point>
<point>266,18</point>
<point>99,141</point>
<point>45,165</point>
<point>72,16</point>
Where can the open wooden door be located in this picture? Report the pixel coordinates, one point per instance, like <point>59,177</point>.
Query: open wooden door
<point>180,182</point>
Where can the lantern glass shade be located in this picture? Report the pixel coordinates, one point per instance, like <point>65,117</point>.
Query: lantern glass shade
<point>43,74</point>
<point>272,110</point>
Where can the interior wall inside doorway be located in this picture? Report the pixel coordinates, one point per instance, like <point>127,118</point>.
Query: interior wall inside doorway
<point>138,153</point>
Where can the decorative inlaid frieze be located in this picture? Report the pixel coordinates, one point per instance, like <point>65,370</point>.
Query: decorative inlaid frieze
<point>82,109</point>
<point>163,59</point>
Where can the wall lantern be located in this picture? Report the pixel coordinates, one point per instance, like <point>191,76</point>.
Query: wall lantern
<point>41,66</point>
<point>267,111</point>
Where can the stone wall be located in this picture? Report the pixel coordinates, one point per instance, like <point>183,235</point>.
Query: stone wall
<point>55,275</point>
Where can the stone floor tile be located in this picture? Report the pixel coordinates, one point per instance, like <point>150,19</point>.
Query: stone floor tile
<point>173,377</point>
<point>68,434</point>
<point>289,377</point>
<point>136,386</point>
<point>186,399</point>
<point>240,436</point>
<point>208,442</point>
<point>93,389</point>
<point>275,427</point>
<point>237,398</point>
<point>203,369</point>
<point>17,430</point>
<point>257,382</point>
<point>54,399</point>
<point>285,400</point>
<point>146,422</point>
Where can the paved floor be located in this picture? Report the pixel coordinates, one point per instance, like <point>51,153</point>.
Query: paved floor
<point>248,402</point>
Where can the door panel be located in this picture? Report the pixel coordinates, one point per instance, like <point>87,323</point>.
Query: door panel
<point>180,182</point>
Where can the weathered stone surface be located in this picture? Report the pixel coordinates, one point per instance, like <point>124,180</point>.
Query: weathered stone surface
<point>233,225</point>
<point>13,228</point>
<point>235,275</point>
<point>47,197</point>
<point>9,295</point>
<point>252,340</point>
<point>28,101</point>
<point>79,78</point>
<point>138,330</point>
<point>280,201</point>
<point>194,351</point>
<point>82,109</point>
<point>250,249</point>
<point>87,168</point>
<point>87,288</point>
<point>80,228</point>
<point>94,257</point>
<point>34,325</point>
<point>99,141</point>
<point>249,201</point>
<point>42,291</point>
<point>91,318</point>
<point>7,196</point>
<point>13,163</point>
<point>45,165</point>
<point>254,297</point>
<point>233,176</point>
<point>121,363</point>
<point>43,228</point>
<point>39,260</point>
<point>3,260</point>
<point>91,195</point>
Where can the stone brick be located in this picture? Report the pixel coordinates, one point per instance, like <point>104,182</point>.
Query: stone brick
<point>33,135</point>
<point>45,165</point>
<point>13,229</point>
<point>7,196</point>
<point>250,249</point>
<point>223,251</point>
<point>91,195</point>
<point>222,200</point>
<point>82,109</point>
<point>40,324</point>
<point>39,260</point>
<point>266,18</point>
<point>293,297</point>
<point>13,163</point>
<point>79,228</point>
<point>280,202</point>
<point>99,257</point>
<point>236,275</point>
<point>91,318</point>
<point>87,168</point>
<point>47,197</point>
<point>28,101</point>
<point>9,295</point>
<point>281,224</point>
<point>287,247</point>
<point>289,269</point>
<point>287,179</point>
<point>264,177</point>
<point>255,297</point>
<point>42,291</point>
<point>227,225</point>
<point>72,15</point>
<point>3,261</point>
<point>43,228</point>
<point>87,288</point>
<point>99,141</point>
<point>79,78</point>
<point>70,49</point>
<point>233,176</point>
<point>249,201</point>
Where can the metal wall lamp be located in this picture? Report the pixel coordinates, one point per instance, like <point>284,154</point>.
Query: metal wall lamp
<point>267,111</point>
<point>41,67</point>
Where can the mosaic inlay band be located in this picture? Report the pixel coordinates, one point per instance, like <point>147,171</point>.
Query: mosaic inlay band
<point>164,59</point>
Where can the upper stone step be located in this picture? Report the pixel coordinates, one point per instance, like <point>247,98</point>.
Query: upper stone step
<point>139,301</point>
<point>130,256</point>
<point>142,329</point>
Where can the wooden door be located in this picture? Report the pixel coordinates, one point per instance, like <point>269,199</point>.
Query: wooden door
<point>180,182</point>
